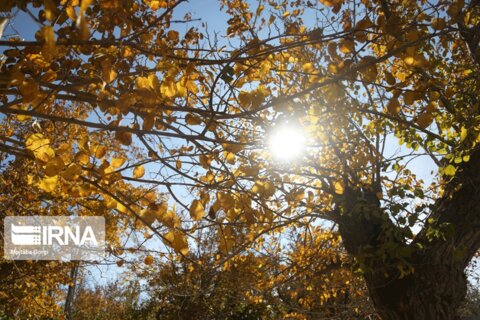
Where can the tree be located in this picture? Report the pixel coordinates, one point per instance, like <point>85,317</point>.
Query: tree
<point>29,289</point>
<point>110,94</point>
<point>111,301</point>
<point>470,308</point>
<point>312,279</point>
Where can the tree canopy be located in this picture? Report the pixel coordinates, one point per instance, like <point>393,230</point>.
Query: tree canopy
<point>128,110</point>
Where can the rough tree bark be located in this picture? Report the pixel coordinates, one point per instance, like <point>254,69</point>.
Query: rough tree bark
<point>438,284</point>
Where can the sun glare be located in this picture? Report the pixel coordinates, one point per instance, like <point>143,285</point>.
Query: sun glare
<point>286,143</point>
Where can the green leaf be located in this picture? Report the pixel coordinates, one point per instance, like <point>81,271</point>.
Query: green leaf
<point>449,170</point>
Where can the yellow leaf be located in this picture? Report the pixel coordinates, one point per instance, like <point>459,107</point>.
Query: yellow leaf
<point>328,3</point>
<point>226,239</point>
<point>72,172</point>
<point>364,24</point>
<point>369,69</point>
<point>269,189</point>
<point>196,210</point>
<point>148,260</point>
<point>439,23</point>
<point>82,26</point>
<point>124,137</point>
<point>146,83</point>
<point>108,73</point>
<point>295,195</point>
<point>54,166</point>
<point>415,60</point>
<point>205,161</point>
<point>49,76</point>
<point>48,184</point>
<point>425,119</point>
<point>85,4</point>
<point>176,239</point>
<point>191,86</point>
<point>40,146</point>
<point>258,187</point>
<point>347,46</point>
<point>71,13</point>
<point>29,90</point>
<point>259,10</point>
<point>168,218</point>
<point>172,35</point>
<point>138,172</point>
<point>168,88</point>
<point>339,187</point>
<point>234,148</point>
<point>50,10</point>
<point>244,98</point>
<point>100,152</point>
<point>181,89</point>
<point>463,133</point>
<point>121,208</point>
<point>410,60</point>
<point>160,210</point>
<point>156,4</point>
<point>393,106</point>
<point>409,98</point>
<point>230,157</point>
<point>148,216</point>
<point>117,162</point>
<point>192,119</point>
<point>148,122</point>
<point>308,67</point>
<point>226,201</point>
<point>449,170</point>
<point>82,157</point>
<point>389,78</point>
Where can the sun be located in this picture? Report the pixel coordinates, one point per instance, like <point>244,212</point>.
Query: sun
<point>286,143</point>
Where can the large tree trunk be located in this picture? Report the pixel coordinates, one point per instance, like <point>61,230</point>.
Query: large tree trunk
<point>431,292</point>
<point>437,286</point>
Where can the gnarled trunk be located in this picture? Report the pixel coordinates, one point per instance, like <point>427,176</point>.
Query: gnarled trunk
<point>431,292</point>
<point>437,286</point>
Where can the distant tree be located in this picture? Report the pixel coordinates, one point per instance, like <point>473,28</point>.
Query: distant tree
<point>27,289</point>
<point>108,107</point>
<point>470,309</point>
<point>108,302</point>
<point>312,280</point>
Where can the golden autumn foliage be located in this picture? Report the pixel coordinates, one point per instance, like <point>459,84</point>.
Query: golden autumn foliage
<point>313,279</point>
<point>136,111</point>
